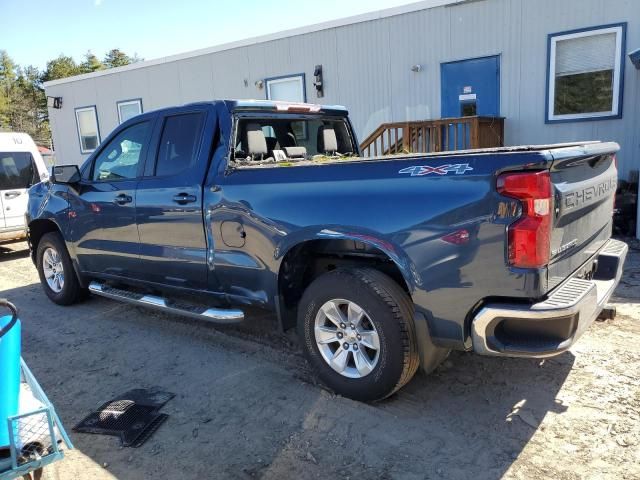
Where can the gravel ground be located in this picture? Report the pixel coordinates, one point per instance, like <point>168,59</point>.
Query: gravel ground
<point>247,406</point>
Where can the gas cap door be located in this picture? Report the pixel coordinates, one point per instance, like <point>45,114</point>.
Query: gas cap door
<point>233,234</point>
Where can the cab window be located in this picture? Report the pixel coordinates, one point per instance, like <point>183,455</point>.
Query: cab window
<point>120,158</point>
<point>179,143</point>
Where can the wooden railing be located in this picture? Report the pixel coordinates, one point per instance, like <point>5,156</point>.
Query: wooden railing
<point>426,136</point>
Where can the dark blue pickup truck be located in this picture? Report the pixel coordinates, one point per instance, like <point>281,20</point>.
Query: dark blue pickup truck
<point>385,264</point>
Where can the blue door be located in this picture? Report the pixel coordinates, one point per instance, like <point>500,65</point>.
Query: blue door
<point>470,87</point>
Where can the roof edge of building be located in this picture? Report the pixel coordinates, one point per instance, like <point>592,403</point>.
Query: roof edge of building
<point>341,22</point>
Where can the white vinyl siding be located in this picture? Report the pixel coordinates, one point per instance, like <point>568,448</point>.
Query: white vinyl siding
<point>585,74</point>
<point>88,132</point>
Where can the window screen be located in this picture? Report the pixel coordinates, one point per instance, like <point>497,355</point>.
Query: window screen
<point>17,170</point>
<point>179,143</point>
<point>87,123</point>
<point>585,74</point>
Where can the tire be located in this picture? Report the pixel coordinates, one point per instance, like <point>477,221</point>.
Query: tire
<point>52,248</point>
<point>387,312</point>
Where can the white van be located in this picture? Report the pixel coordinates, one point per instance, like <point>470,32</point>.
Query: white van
<point>21,166</point>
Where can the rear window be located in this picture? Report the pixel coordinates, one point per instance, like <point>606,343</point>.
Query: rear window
<point>17,170</point>
<point>277,139</point>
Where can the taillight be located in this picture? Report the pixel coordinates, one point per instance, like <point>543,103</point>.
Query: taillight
<point>529,237</point>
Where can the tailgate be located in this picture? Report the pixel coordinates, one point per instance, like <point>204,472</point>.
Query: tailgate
<point>584,180</point>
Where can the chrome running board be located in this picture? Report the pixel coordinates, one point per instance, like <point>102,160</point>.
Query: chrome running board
<point>215,315</point>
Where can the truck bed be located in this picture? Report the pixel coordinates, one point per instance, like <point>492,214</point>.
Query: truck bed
<point>409,156</point>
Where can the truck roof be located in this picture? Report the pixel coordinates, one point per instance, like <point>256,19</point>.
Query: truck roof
<point>280,106</point>
<point>255,105</point>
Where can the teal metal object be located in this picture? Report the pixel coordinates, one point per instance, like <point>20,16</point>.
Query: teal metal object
<point>30,429</point>
<point>10,368</point>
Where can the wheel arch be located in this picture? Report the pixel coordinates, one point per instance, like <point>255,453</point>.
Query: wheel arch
<point>37,229</point>
<point>307,256</point>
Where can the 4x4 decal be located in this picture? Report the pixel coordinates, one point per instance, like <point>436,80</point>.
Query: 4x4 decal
<point>421,170</point>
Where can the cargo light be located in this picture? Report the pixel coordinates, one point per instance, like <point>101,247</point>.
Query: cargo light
<point>529,237</point>
<point>297,107</point>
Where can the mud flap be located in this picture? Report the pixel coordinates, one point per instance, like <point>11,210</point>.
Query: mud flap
<point>430,354</point>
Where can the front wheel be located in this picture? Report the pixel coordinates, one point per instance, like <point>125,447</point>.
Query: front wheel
<point>358,333</point>
<point>56,272</point>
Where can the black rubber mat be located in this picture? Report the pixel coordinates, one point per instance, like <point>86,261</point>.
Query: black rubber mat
<point>132,416</point>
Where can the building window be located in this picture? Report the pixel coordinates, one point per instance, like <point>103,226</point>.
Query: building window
<point>586,70</point>
<point>128,109</point>
<point>88,132</point>
<point>287,89</point>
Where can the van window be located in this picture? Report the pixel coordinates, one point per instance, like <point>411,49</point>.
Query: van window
<point>17,170</point>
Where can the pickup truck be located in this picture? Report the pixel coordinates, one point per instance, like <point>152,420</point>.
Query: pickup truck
<point>385,264</point>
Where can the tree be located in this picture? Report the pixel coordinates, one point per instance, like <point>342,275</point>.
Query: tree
<point>91,63</point>
<point>23,106</point>
<point>116,58</point>
<point>7,79</point>
<point>61,67</point>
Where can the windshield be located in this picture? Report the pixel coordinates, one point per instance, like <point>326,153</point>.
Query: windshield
<point>283,139</point>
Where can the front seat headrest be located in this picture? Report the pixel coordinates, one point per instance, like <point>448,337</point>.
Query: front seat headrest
<point>256,141</point>
<point>327,140</point>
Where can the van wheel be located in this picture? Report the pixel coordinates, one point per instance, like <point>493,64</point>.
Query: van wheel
<point>358,333</point>
<point>56,272</point>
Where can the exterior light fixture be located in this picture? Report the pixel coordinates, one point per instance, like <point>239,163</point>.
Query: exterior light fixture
<point>318,83</point>
<point>54,102</point>
<point>417,68</point>
<point>259,84</point>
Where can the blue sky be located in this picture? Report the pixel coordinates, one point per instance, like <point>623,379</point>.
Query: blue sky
<point>34,31</point>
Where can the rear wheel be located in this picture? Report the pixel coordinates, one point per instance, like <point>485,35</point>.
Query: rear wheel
<point>56,272</point>
<point>358,333</point>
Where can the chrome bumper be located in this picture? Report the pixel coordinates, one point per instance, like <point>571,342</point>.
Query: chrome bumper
<point>550,327</point>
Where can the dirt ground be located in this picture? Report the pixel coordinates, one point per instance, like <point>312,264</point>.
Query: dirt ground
<point>247,406</point>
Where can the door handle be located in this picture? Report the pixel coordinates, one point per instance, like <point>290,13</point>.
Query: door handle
<point>10,195</point>
<point>183,198</point>
<point>123,199</point>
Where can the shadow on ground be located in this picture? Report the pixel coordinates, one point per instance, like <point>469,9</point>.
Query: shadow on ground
<point>13,251</point>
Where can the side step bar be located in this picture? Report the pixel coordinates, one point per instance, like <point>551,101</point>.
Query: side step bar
<point>215,315</point>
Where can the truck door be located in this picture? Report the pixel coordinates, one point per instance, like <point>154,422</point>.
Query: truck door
<point>17,174</point>
<point>173,245</point>
<point>102,223</point>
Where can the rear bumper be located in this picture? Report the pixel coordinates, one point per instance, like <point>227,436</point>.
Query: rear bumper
<point>550,327</point>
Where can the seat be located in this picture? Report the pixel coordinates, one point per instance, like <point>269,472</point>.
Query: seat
<point>256,141</point>
<point>327,140</point>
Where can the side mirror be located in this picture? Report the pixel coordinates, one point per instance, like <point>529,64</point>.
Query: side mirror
<point>66,174</point>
